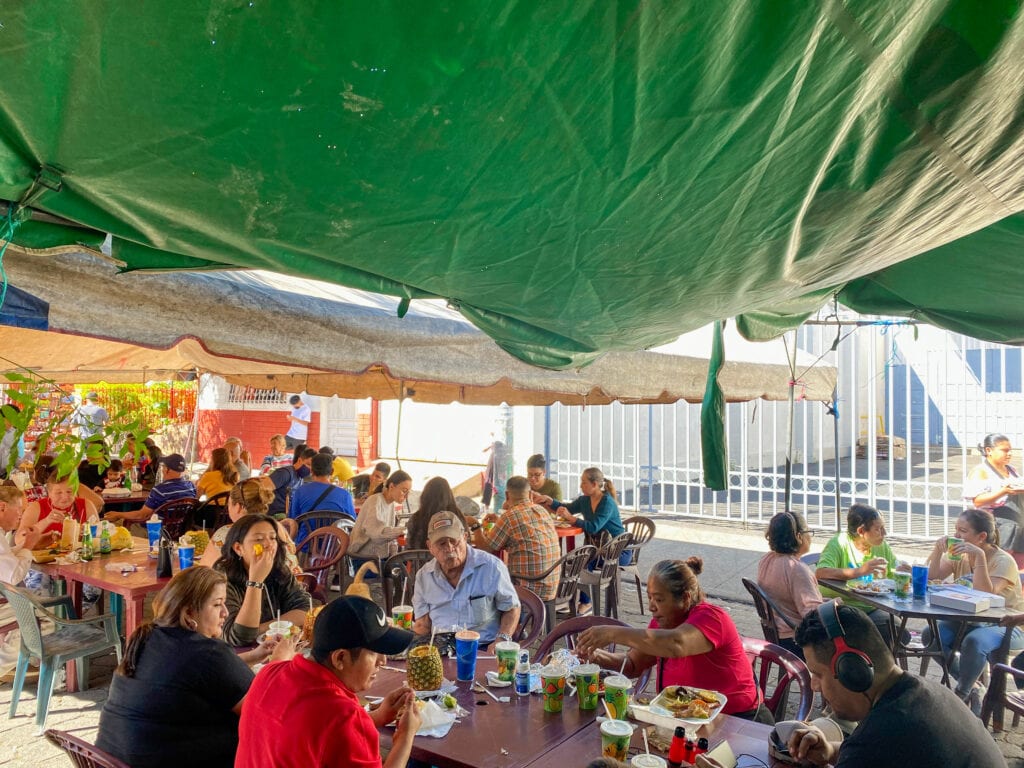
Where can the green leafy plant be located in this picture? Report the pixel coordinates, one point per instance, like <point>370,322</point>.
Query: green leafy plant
<point>45,410</point>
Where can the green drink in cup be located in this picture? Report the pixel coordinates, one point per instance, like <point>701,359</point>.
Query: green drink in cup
<point>507,653</point>
<point>552,683</point>
<point>615,736</point>
<point>587,682</point>
<point>952,541</point>
<point>902,580</point>
<point>616,695</point>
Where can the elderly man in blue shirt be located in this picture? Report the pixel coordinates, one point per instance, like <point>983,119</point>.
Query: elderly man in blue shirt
<point>462,587</point>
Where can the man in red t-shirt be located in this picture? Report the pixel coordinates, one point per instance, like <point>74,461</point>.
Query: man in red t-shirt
<point>305,713</point>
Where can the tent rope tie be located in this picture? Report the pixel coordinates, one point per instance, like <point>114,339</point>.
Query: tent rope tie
<point>10,226</point>
<point>793,383</point>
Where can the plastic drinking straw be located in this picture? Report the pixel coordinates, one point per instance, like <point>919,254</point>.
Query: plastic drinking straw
<point>647,747</point>
<point>608,710</point>
<point>622,669</point>
<point>404,585</point>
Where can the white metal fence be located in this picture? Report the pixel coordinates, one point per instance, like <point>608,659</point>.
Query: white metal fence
<point>913,402</point>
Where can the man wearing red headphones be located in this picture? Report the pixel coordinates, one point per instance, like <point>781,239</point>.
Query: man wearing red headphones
<point>905,720</point>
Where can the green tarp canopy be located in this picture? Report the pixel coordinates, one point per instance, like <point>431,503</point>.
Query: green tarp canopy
<point>574,176</point>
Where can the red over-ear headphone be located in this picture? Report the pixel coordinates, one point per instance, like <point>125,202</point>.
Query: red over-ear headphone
<point>851,667</point>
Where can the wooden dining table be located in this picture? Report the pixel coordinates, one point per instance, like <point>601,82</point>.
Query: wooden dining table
<point>902,611</point>
<point>132,586</point>
<point>520,734</point>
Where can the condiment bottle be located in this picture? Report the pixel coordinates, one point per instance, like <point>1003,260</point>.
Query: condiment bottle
<point>523,673</point>
<point>677,749</point>
<point>87,545</point>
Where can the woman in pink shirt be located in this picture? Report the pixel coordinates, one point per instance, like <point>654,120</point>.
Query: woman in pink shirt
<point>690,641</point>
<point>784,578</point>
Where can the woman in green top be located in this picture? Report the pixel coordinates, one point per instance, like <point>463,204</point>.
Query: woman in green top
<point>859,551</point>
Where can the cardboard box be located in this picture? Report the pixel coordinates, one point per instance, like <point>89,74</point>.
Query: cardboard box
<point>994,601</point>
<point>968,601</point>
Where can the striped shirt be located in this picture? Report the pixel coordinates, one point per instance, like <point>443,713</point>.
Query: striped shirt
<point>527,533</point>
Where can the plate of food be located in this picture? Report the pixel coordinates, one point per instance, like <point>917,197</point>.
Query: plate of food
<point>692,706</point>
<point>876,587</point>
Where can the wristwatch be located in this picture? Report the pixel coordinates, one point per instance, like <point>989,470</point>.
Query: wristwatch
<point>505,636</point>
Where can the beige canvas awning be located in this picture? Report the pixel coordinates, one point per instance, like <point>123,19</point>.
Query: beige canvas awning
<point>269,331</point>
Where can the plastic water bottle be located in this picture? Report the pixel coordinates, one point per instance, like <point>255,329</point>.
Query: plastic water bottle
<point>523,673</point>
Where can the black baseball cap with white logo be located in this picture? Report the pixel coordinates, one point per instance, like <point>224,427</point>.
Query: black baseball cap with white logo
<point>355,622</point>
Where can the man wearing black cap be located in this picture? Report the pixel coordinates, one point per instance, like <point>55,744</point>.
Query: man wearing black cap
<point>174,486</point>
<point>305,712</point>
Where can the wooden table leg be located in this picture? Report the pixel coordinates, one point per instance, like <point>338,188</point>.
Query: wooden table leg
<point>71,668</point>
<point>134,608</point>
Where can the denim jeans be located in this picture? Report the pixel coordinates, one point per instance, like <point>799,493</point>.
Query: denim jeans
<point>977,647</point>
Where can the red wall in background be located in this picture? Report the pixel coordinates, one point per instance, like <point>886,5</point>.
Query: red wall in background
<point>255,428</point>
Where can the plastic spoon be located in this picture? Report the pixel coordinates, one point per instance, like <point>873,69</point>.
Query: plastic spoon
<point>499,699</point>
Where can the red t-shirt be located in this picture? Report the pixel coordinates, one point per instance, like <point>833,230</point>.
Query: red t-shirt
<point>297,714</point>
<point>725,668</point>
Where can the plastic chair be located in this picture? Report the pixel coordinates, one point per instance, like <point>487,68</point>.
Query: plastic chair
<point>177,516</point>
<point>321,551</point>
<point>314,520</point>
<point>770,660</point>
<point>213,512</point>
<point>398,576</point>
<point>607,578</point>
<point>531,617</point>
<point>82,753</point>
<point>641,529</point>
<point>811,559</point>
<point>572,566</point>
<point>72,640</point>
<point>767,612</point>
<point>997,697</point>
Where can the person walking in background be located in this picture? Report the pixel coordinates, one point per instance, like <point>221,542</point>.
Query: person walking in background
<point>995,485</point>
<point>536,473</point>
<point>299,419</point>
<point>90,417</point>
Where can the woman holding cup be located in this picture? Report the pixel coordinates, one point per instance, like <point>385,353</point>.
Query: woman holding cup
<point>975,556</point>
<point>690,642</point>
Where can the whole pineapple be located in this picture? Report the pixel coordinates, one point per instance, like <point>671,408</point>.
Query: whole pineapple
<point>425,670</point>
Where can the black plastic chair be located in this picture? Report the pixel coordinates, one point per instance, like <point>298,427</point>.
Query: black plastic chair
<point>398,576</point>
<point>531,617</point>
<point>607,576</point>
<point>642,530</point>
<point>212,513</point>
<point>177,516</point>
<point>767,612</point>
<point>571,566</point>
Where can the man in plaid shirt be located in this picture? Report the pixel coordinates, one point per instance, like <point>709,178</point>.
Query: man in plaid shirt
<point>527,533</point>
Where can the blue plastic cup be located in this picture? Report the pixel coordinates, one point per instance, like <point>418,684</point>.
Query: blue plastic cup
<point>919,580</point>
<point>186,555</point>
<point>94,530</point>
<point>153,530</point>
<point>467,642</point>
